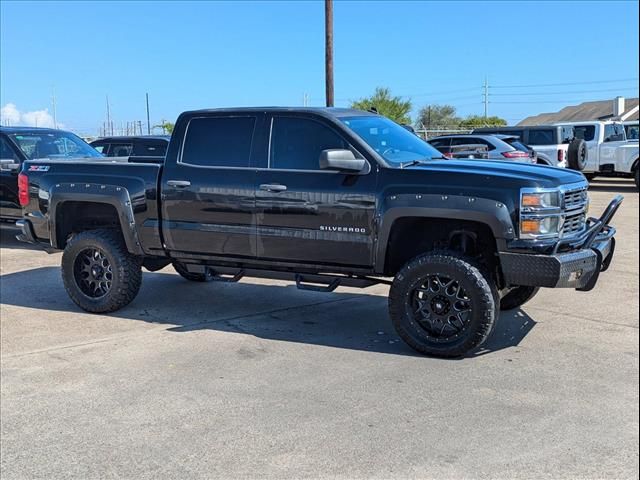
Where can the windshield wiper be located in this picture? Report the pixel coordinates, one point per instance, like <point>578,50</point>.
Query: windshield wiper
<point>413,162</point>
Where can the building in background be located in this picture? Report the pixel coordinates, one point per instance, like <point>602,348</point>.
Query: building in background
<point>620,108</point>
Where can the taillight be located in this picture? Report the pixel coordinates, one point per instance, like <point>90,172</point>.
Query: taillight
<point>23,189</point>
<point>560,155</point>
<point>515,154</point>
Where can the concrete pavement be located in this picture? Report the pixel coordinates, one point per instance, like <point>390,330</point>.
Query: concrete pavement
<point>261,380</point>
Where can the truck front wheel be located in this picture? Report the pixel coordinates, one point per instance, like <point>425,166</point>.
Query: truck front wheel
<point>517,297</point>
<point>443,305</point>
<point>98,272</point>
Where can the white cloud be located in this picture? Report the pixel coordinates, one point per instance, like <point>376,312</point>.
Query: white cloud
<point>10,115</point>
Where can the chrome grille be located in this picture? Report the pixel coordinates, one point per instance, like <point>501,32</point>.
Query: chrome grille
<point>576,198</point>
<point>574,224</point>
<point>575,207</point>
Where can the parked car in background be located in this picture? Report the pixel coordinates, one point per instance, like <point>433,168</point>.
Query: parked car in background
<point>489,147</point>
<point>152,146</point>
<point>18,144</point>
<point>551,143</point>
<point>609,152</point>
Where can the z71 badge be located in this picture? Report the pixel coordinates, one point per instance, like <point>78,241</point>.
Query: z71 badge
<point>39,168</point>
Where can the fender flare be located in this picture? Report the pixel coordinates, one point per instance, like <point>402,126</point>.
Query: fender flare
<point>114,195</point>
<point>492,213</point>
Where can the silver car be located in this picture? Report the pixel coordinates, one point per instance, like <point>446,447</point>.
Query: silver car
<point>488,147</point>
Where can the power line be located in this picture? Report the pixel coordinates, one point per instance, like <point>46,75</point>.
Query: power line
<point>594,82</point>
<point>572,92</point>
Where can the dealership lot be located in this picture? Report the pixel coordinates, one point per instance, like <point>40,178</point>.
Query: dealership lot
<point>260,379</point>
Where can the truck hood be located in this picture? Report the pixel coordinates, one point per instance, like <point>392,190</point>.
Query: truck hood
<point>495,172</point>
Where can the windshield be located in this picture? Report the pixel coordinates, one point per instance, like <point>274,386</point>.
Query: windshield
<point>53,145</point>
<point>393,142</point>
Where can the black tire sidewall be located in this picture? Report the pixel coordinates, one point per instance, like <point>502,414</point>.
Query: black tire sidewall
<point>482,297</point>
<point>125,282</point>
<point>518,297</point>
<point>576,147</point>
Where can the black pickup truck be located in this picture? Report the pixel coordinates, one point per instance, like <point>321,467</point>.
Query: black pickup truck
<point>323,197</point>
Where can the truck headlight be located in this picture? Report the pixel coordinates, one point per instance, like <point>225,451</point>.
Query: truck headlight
<point>540,213</point>
<point>540,200</point>
<point>540,226</point>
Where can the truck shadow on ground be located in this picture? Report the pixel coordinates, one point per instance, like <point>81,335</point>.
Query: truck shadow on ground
<point>354,319</point>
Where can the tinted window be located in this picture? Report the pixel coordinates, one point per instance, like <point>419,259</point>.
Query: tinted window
<point>585,132</point>
<point>632,132</point>
<point>473,143</point>
<point>440,142</point>
<point>613,132</point>
<point>120,150</point>
<point>541,137</point>
<point>150,149</point>
<point>219,141</point>
<point>6,152</point>
<point>296,143</point>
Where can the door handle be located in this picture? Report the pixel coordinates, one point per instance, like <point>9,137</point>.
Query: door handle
<point>273,187</point>
<point>178,183</point>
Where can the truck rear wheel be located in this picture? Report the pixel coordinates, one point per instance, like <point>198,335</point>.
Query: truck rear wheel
<point>98,272</point>
<point>636,177</point>
<point>192,277</point>
<point>443,305</point>
<point>517,297</point>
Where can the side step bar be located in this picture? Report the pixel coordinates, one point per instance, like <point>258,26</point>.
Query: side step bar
<point>316,282</point>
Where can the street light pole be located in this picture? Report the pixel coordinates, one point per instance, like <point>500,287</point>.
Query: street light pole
<point>328,50</point>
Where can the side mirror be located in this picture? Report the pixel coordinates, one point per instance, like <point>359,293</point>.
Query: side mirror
<point>342,160</point>
<point>9,165</point>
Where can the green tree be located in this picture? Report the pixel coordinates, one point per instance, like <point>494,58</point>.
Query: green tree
<point>437,116</point>
<point>386,104</point>
<point>474,121</point>
<point>167,127</point>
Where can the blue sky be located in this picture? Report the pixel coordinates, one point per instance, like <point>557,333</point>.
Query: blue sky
<point>210,54</point>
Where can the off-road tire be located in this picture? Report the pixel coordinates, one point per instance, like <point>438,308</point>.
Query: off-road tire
<point>126,268</point>
<point>478,286</point>
<point>518,297</point>
<point>577,154</point>
<point>192,277</point>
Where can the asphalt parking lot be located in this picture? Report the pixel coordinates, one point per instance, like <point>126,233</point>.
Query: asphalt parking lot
<point>261,380</point>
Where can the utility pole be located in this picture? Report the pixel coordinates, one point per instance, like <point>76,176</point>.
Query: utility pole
<point>53,104</point>
<point>109,116</point>
<point>486,97</point>
<point>148,121</point>
<point>328,50</point>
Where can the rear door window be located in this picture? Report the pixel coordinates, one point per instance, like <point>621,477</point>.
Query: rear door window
<point>541,137</point>
<point>613,132</point>
<point>585,132</point>
<point>120,150</point>
<point>150,149</point>
<point>219,141</point>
